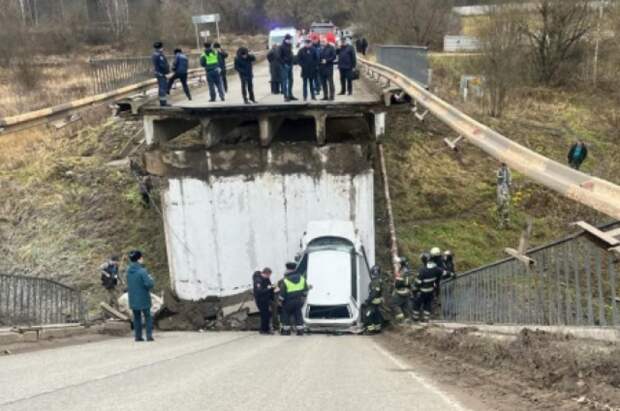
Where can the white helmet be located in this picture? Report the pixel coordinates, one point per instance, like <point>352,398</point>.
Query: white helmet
<point>435,252</point>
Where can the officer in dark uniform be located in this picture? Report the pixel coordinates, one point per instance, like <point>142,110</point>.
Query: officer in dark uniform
<point>222,56</point>
<point>293,290</point>
<point>374,319</point>
<point>161,68</point>
<point>425,286</point>
<point>263,296</point>
<point>448,264</point>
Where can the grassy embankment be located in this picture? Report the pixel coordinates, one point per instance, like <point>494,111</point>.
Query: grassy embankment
<point>441,201</point>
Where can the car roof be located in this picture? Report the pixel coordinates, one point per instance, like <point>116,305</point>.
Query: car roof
<point>330,228</point>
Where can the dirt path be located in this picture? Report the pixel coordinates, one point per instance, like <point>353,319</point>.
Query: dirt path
<point>535,371</point>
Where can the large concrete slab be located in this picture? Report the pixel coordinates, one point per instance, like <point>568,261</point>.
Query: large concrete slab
<point>218,371</point>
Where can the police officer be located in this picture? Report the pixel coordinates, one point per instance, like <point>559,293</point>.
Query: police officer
<point>374,319</point>
<point>504,183</point>
<point>211,62</point>
<point>110,279</point>
<point>222,56</point>
<point>428,277</point>
<point>263,296</point>
<point>293,292</point>
<point>180,67</point>
<point>161,69</point>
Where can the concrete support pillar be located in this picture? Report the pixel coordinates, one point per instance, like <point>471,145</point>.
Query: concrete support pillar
<point>268,127</point>
<point>378,125</point>
<point>208,132</point>
<point>320,121</point>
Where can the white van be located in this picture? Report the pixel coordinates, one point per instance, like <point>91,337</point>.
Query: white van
<point>276,36</point>
<point>334,262</point>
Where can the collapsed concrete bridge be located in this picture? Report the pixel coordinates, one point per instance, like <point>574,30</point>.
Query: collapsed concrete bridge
<point>243,181</point>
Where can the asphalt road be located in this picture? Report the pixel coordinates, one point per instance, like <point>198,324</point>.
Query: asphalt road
<point>218,371</point>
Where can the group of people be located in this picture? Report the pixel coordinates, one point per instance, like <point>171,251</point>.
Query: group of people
<point>317,58</point>
<point>288,295</point>
<point>213,60</point>
<point>413,293</point>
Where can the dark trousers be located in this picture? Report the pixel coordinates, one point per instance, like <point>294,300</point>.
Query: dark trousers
<point>162,85</point>
<point>183,78</point>
<point>574,163</point>
<point>346,81</point>
<point>309,83</point>
<point>247,88</point>
<point>291,314</point>
<point>224,80</point>
<point>317,83</point>
<point>215,82</point>
<point>328,85</point>
<point>275,87</point>
<point>287,80</point>
<point>137,323</point>
<point>423,303</point>
<point>374,319</point>
<point>264,308</point>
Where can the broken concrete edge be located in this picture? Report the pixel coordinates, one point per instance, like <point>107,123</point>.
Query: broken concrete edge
<point>604,334</point>
<point>35,334</point>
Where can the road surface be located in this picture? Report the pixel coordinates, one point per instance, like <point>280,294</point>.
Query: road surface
<point>218,371</point>
<point>362,91</point>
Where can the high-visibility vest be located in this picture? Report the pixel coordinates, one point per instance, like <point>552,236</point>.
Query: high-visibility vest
<point>292,287</point>
<point>211,58</point>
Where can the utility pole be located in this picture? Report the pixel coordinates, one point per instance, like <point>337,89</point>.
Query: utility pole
<point>597,43</point>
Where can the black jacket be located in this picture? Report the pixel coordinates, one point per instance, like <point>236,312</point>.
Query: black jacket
<point>428,278</point>
<point>308,59</point>
<point>274,64</point>
<point>243,66</point>
<point>262,288</point>
<point>347,59</point>
<point>328,58</point>
<point>285,54</point>
<point>582,156</point>
<point>221,58</point>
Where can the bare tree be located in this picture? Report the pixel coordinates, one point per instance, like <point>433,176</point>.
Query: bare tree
<point>560,27</point>
<point>502,48</point>
<point>117,13</point>
<point>420,22</point>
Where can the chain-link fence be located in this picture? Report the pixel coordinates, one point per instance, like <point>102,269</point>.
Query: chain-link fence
<point>573,282</point>
<point>412,61</point>
<point>111,74</point>
<point>34,301</point>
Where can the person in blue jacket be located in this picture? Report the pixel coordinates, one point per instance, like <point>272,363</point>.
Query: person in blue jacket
<point>139,285</point>
<point>180,67</point>
<point>161,69</point>
<point>243,66</point>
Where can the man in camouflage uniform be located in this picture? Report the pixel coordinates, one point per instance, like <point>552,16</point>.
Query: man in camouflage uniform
<point>373,317</point>
<point>504,183</point>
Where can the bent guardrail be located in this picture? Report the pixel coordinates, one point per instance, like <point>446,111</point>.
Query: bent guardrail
<point>574,282</point>
<point>594,192</point>
<point>34,301</point>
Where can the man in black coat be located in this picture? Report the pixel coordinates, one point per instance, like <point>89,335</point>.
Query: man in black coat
<point>222,56</point>
<point>577,154</point>
<point>286,59</point>
<point>347,61</point>
<point>326,69</point>
<point>263,296</point>
<point>309,62</point>
<point>243,66</point>
<point>274,69</point>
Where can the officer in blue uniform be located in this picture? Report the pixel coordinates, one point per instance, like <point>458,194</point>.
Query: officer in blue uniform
<point>180,67</point>
<point>293,292</point>
<point>210,60</point>
<point>161,69</point>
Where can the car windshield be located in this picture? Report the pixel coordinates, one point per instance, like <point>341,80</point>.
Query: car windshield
<point>277,39</point>
<point>330,243</point>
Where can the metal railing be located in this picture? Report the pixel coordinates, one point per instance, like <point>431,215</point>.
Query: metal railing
<point>573,282</point>
<point>114,73</point>
<point>33,301</point>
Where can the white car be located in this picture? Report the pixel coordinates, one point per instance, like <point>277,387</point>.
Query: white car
<point>335,265</point>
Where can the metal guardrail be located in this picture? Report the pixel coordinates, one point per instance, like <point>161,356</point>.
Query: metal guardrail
<point>574,282</point>
<point>34,301</point>
<point>115,73</point>
<point>593,192</point>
